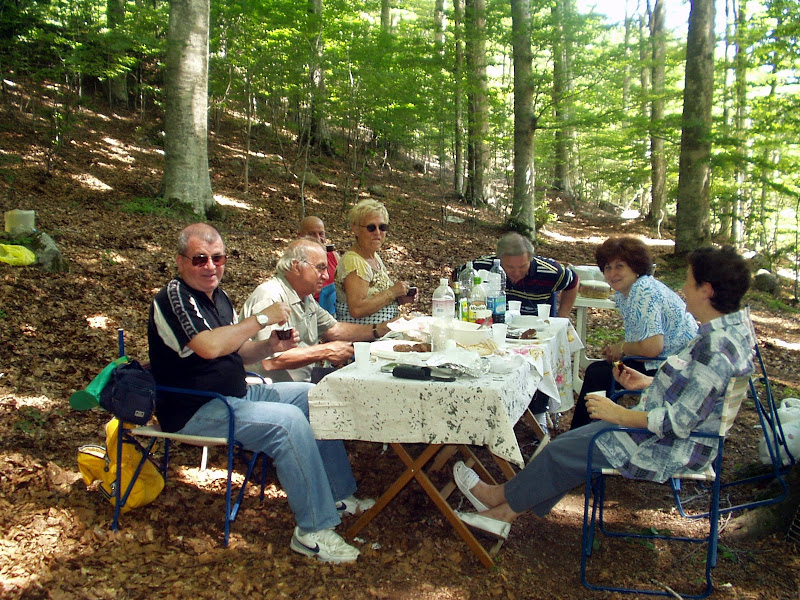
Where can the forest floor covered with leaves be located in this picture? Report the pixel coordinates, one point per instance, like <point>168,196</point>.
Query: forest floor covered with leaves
<point>59,329</point>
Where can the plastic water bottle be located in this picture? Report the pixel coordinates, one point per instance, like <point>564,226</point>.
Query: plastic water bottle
<point>466,278</point>
<point>444,311</point>
<point>499,308</point>
<point>444,301</point>
<point>477,301</point>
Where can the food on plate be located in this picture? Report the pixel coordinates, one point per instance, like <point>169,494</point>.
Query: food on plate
<point>422,347</point>
<point>484,348</point>
<point>528,334</point>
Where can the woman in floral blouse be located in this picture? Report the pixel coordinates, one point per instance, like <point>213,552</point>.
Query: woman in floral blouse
<point>364,291</point>
<point>685,396</point>
<point>655,318</point>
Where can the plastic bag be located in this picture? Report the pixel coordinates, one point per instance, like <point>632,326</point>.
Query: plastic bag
<point>789,415</point>
<point>19,256</point>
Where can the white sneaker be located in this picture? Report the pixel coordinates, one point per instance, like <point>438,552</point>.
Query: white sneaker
<point>325,545</point>
<point>353,505</point>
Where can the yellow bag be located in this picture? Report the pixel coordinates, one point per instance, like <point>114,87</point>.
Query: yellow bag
<point>19,256</point>
<point>98,463</point>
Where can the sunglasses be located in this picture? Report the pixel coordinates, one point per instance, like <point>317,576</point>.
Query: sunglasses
<point>201,259</point>
<point>372,227</point>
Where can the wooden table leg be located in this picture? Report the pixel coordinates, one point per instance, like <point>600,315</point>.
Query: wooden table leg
<point>414,470</point>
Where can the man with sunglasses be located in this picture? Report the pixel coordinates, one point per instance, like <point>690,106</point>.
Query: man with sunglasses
<point>301,272</point>
<point>197,341</point>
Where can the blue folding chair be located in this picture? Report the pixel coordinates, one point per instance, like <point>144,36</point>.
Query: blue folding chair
<point>594,498</point>
<point>129,435</point>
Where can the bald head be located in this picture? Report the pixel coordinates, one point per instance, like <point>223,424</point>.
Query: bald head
<point>312,227</point>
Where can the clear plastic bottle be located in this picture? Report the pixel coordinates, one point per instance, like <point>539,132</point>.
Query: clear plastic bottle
<point>444,311</point>
<point>465,280</point>
<point>477,301</point>
<point>499,305</point>
<point>444,301</point>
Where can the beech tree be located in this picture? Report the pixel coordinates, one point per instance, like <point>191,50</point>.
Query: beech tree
<point>692,227</point>
<point>186,176</point>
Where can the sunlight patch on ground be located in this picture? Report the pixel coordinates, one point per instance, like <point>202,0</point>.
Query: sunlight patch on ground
<point>786,274</point>
<point>225,201</point>
<point>92,182</point>
<point>98,322</point>
<point>764,319</point>
<point>594,239</point>
<point>117,150</point>
<point>785,345</point>
<point>236,151</point>
<point>33,401</point>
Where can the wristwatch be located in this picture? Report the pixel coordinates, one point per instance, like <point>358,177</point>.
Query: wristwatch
<point>262,319</point>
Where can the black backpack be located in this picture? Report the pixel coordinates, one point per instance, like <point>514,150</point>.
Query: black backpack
<point>130,394</point>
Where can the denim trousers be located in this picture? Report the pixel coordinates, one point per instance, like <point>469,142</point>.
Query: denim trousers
<point>273,418</point>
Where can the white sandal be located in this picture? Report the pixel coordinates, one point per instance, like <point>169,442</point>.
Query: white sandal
<point>466,479</point>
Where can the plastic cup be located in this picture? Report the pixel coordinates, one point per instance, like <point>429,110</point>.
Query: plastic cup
<point>361,354</point>
<point>499,331</point>
<point>544,310</point>
<point>515,305</point>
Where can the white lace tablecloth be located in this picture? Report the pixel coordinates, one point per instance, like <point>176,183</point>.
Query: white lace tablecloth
<point>374,406</point>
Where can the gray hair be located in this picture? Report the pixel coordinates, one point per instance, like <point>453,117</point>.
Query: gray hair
<point>297,250</point>
<point>364,208</point>
<point>514,244</point>
<point>203,231</point>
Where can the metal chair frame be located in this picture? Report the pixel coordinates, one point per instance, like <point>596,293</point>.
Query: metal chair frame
<point>129,435</point>
<point>594,497</point>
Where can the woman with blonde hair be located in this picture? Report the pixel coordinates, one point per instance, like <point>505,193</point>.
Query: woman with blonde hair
<point>364,291</point>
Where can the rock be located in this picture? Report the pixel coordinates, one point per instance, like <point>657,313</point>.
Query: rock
<point>766,282</point>
<point>48,253</point>
<point>311,179</point>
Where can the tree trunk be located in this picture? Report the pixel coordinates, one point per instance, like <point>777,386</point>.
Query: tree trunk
<point>458,107</point>
<point>318,123</point>
<point>562,96</point>
<point>479,102</point>
<point>186,177</point>
<point>118,85</point>
<point>523,204</point>
<point>658,161</point>
<point>740,121</point>
<point>694,175</point>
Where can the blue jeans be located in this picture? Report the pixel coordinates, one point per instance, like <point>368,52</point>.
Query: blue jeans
<point>273,419</point>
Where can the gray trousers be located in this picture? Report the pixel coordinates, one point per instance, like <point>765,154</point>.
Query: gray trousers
<point>557,469</point>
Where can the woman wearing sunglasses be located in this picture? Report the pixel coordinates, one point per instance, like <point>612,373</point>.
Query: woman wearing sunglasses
<point>364,291</point>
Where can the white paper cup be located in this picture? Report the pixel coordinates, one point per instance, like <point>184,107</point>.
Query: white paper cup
<point>361,354</point>
<point>515,305</point>
<point>598,393</point>
<point>544,310</point>
<point>499,331</point>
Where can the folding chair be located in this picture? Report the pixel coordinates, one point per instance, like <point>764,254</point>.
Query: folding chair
<point>154,432</point>
<point>594,497</point>
<point>770,421</point>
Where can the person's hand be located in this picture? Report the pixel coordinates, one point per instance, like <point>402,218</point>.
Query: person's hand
<point>600,407</point>
<point>613,352</point>
<point>630,379</point>
<point>399,289</point>
<point>278,313</point>
<point>339,352</point>
<point>279,345</point>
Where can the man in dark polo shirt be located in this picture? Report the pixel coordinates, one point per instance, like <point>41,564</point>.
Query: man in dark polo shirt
<point>197,341</point>
<point>530,279</point>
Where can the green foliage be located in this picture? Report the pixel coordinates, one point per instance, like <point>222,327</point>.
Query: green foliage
<point>157,207</point>
<point>3,314</point>
<point>603,336</point>
<point>29,419</point>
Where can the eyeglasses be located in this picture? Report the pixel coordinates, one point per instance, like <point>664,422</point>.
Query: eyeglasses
<point>321,268</point>
<point>202,259</point>
<point>372,227</point>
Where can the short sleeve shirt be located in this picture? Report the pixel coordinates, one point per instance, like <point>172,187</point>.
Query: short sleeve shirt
<point>651,308</point>
<point>307,317</point>
<point>545,277</point>
<point>177,314</point>
<point>378,280</point>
